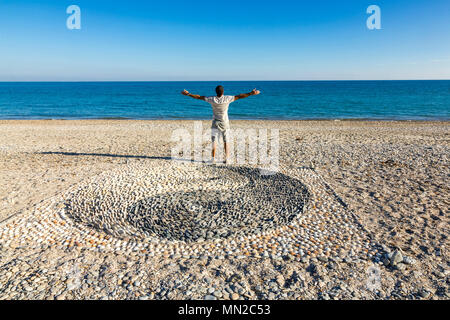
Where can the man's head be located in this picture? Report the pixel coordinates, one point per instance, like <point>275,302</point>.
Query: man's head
<point>219,91</point>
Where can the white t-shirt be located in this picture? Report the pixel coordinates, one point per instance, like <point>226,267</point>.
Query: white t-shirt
<point>220,106</point>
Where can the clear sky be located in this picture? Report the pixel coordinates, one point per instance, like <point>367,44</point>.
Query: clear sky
<point>223,40</point>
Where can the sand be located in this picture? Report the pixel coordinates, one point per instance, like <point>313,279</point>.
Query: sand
<point>393,176</point>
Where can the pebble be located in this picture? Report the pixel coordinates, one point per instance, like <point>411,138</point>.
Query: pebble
<point>424,293</point>
<point>408,260</point>
<point>396,258</point>
<point>400,266</point>
<point>439,274</point>
<point>280,280</point>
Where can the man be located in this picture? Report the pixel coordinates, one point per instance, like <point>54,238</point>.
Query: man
<point>221,124</point>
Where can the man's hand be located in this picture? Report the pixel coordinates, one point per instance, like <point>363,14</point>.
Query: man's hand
<point>255,92</point>
<point>185,92</point>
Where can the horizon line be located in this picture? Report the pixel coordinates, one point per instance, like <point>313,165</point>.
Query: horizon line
<point>316,80</point>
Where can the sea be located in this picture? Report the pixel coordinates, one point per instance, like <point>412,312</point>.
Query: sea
<point>279,100</point>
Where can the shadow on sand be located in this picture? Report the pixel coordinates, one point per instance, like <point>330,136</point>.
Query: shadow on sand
<point>126,156</point>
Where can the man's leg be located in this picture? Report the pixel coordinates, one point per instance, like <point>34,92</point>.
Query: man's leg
<point>214,138</point>
<point>226,145</point>
<point>213,151</point>
<point>227,151</point>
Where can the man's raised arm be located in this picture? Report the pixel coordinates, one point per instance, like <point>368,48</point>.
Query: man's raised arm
<point>245,95</point>
<point>195,96</point>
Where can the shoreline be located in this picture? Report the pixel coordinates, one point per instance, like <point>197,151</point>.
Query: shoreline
<point>347,120</point>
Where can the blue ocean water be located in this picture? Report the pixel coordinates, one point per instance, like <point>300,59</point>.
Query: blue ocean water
<point>387,100</point>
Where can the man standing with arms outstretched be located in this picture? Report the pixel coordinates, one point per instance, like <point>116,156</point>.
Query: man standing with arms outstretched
<point>221,124</point>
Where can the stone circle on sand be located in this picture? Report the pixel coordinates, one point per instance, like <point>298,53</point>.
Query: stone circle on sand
<point>203,203</point>
<point>183,209</point>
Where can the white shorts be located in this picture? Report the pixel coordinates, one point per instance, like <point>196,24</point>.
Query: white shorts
<point>219,128</point>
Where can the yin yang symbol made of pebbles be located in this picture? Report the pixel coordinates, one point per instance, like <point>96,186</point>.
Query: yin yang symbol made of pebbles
<point>188,203</point>
<point>184,209</point>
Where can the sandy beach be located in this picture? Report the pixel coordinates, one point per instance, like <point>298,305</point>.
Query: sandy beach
<point>389,178</point>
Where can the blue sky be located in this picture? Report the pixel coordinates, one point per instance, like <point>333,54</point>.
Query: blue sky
<point>228,40</point>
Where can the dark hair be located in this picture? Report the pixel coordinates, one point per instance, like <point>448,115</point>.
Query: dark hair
<point>219,91</point>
